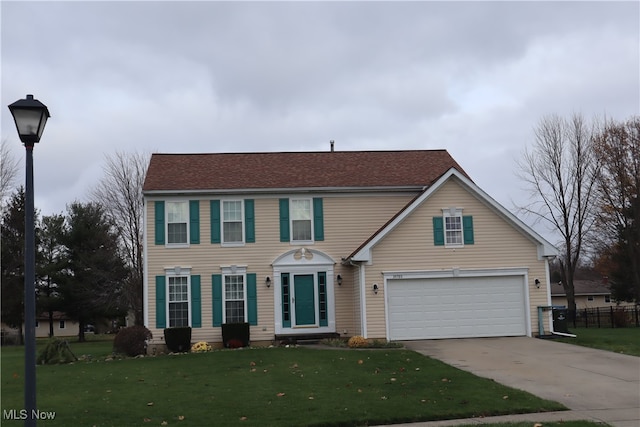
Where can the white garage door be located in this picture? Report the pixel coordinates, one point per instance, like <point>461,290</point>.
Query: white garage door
<point>456,307</point>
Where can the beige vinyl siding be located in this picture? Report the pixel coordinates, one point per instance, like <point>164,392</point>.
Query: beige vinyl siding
<point>410,247</point>
<point>348,221</point>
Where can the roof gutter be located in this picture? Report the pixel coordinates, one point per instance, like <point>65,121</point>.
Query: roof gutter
<point>325,190</point>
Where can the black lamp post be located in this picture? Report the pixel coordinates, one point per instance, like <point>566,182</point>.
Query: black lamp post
<point>30,116</point>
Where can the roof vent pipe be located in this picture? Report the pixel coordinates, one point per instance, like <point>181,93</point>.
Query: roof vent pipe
<point>331,142</point>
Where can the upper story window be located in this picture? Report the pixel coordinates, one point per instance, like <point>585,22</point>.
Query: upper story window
<point>452,229</point>
<point>177,222</point>
<point>301,220</point>
<point>232,221</point>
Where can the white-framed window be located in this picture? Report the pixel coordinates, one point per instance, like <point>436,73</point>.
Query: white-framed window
<point>178,300</point>
<point>177,223</point>
<point>453,227</point>
<point>234,294</point>
<point>607,298</point>
<point>232,222</point>
<point>590,298</point>
<point>62,324</point>
<point>301,220</point>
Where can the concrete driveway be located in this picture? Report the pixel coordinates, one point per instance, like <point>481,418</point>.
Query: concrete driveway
<point>599,384</point>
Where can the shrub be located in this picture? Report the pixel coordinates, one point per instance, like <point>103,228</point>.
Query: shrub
<point>132,340</point>
<point>357,341</point>
<point>235,335</point>
<point>200,347</point>
<point>620,319</point>
<point>56,351</point>
<point>178,339</point>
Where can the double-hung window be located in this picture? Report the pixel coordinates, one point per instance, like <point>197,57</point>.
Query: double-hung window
<point>453,228</point>
<point>177,222</point>
<point>235,298</point>
<point>301,220</point>
<point>178,301</point>
<point>232,222</point>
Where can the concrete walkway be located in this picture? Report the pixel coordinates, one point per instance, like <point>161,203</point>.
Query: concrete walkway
<point>596,385</point>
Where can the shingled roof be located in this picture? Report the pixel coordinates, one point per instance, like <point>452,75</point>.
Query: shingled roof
<point>329,169</point>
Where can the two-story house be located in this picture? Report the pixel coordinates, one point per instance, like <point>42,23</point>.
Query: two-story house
<point>393,245</point>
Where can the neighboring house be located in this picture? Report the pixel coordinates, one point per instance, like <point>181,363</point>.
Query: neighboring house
<point>62,325</point>
<point>385,244</point>
<point>588,294</point>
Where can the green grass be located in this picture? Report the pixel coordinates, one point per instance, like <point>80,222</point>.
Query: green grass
<point>619,340</point>
<point>257,387</point>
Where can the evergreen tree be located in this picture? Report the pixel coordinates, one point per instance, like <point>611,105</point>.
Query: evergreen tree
<point>50,262</point>
<point>92,280</point>
<point>12,261</point>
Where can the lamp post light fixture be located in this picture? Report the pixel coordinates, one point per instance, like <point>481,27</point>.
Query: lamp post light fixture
<point>30,116</point>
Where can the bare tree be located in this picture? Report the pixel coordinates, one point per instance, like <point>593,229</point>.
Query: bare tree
<point>8,169</point>
<point>561,174</point>
<point>120,192</point>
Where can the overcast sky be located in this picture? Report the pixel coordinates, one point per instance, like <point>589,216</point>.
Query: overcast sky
<point>470,77</point>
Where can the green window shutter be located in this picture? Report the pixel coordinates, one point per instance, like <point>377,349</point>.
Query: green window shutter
<point>318,220</point>
<point>284,220</point>
<point>467,229</point>
<point>286,305</point>
<point>249,221</point>
<point>194,222</point>
<point>438,231</point>
<point>216,280</point>
<point>196,303</point>
<point>161,302</point>
<point>252,299</point>
<point>159,212</point>
<point>215,221</point>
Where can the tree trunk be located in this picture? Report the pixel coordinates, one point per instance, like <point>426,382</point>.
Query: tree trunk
<point>50,323</point>
<point>81,337</point>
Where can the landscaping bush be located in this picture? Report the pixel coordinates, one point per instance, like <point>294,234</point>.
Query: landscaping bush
<point>357,341</point>
<point>235,335</point>
<point>178,339</point>
<point>56,351</point>
<point>132,340</point>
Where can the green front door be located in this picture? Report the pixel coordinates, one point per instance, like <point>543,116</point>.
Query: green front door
<point>304,300</point>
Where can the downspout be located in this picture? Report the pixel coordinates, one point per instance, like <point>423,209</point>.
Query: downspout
<point>363,300</point>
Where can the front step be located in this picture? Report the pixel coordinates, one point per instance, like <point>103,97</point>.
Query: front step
<point>305,338</point>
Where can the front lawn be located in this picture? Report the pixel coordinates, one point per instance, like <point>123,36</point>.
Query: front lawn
<point>257,387</point>
<point>619,340</point>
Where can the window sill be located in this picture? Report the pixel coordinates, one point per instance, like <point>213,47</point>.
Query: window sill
<point>232,244</point>
<point>176,245</point>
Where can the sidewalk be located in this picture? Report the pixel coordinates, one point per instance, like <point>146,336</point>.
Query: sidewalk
<point>614,417</point>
